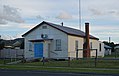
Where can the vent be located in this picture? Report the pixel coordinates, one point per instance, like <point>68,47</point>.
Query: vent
<point>44,27</point>
<point>44,36</point>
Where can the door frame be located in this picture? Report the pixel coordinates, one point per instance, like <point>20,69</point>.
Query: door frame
<point>38,48</point>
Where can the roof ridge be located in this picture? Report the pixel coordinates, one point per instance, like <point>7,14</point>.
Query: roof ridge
<point>63,26</point>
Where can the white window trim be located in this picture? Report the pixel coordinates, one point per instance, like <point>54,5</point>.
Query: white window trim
<point>58,45</point>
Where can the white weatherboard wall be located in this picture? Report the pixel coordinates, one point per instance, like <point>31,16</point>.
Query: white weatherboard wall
<point>52,33</point>
<point>71,46</point>
<point>102,51</point>
<point>96,45</point>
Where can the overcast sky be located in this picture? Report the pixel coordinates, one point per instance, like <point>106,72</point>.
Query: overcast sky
<point>18,16</point>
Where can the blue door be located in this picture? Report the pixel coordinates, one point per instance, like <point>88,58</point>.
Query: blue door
<point>38,50</point>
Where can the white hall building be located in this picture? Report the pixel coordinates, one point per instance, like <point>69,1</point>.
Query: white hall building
<point>51,40</point>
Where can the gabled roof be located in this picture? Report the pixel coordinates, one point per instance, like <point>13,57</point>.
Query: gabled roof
<point>106,46</point>
<point>17,43</point>
<point>67,30</point>
<point>116,47</point>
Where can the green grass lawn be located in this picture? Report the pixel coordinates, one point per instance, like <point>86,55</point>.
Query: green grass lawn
<point>60,69</point>
<point>82,65</point>
<point>113,55</point>
<point>4,61</point>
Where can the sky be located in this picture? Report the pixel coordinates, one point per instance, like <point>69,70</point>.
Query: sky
<point>18,16</point>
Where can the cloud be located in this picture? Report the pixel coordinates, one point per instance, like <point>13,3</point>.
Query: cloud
<point>2,21</point>
<point>9,14</point>
<point>7,37</point>
<point>96,11</point>
<point>26,26</point>
<point>104,12</point>
<point>113,12</point>
<point>105,31</point>
<point>102,15</point>
<point>39,17</point>
<point>104,27</point>
<point>64,15</point>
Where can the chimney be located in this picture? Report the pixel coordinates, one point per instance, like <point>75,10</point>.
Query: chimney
<point>62,23</point>
<point>86,52</point>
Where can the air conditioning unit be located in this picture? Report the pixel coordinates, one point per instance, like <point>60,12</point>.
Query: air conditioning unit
<point>44,36</point>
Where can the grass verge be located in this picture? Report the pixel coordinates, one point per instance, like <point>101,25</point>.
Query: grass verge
<point>61,69</point>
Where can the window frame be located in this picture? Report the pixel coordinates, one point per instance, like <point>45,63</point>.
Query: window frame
<point>30,46</point>
<point>91,45</point>
<point>76,44</point>
<point>58,45</point>
<point>100,47</point>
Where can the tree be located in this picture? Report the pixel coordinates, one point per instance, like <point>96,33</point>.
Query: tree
<point>111,44</point>
<point>2,44</point>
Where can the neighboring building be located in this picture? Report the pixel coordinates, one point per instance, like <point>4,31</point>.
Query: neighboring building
<point>116,49</point>
<point>12,48</point>
<point>57,41</point>
<point>17,43</point>
<point>107,50</point>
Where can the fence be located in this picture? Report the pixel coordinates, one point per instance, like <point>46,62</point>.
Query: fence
<point>79,53</point>
<point>75,60</point>
<point>80,63</point>
<point>69,62</point>
<point>11,53</point>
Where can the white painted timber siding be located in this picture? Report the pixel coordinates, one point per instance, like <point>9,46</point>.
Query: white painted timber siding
<point>27,53</point>
<point>102,51</point>
<point>52,33</point>
<point>96,45</point>
<point>71,46</point>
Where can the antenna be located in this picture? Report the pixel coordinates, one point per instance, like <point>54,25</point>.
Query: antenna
<point>80,14</point>
<point>109,39</point>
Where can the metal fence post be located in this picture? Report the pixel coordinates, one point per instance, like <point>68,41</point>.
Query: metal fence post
<point>4,60</point>
<point>115,54</point>
<point>43,61</point>
<point>76,54</point>
<point>96,59</point>
<point>69,61</point>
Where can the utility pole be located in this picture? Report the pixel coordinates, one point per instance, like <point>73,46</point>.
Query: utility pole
<point>79,5</point>
<point>0,36</point>
<point>109,39</point>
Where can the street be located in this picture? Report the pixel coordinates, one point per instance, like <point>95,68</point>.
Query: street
<point>4,72</point>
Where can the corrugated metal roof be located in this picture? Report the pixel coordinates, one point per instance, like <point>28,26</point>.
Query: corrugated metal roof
<point>67,30</point>
<point>106,46</point>
<point>116,47</point>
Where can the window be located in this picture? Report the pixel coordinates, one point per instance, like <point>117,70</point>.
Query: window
<point>100,46</point>
<point>58,44</point>
<point>76,44</point>
<point>90,45</point>
<point>44,27</point>
<point>30,46</point>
